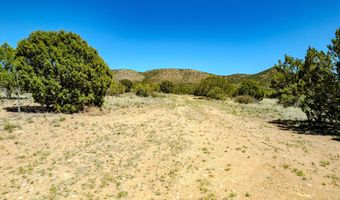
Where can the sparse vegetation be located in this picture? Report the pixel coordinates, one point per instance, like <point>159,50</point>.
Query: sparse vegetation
<point>61,119</point>
<point>144,144</point>
<point>148,145</point>
<point>122,194</point>
<point>298,172</point>
<point>9,126</point>
<point>324,163</point>
<point>285,166</point>
<point>247,194</point>
<point>245,99</point>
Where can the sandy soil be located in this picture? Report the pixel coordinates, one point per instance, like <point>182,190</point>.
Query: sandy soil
<point>176,147</point>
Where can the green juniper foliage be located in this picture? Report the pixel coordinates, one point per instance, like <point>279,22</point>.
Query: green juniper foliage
<point>244,99</point>
<point>318,86</point>
<point>127,84</point>
<point>216,93</point>
<point>313,84</point>
<point>143,90</point>
<point>7,69</point>
<point>334,50</point>
<point>285,81</point>
<point>167,87</point>
<point>185,88</point>
<point>62,71</point>
<point>214,82</point>
<point>250,88</point>
<point>116,88</point>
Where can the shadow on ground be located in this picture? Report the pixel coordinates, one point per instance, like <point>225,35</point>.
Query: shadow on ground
<point>309,128</point>
<point>27,109</point>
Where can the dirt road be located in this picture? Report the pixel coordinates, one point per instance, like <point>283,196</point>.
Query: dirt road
<point>169,148</point>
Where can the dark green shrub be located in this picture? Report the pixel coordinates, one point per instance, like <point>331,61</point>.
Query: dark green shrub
<point>285,80</point>
<point>64,73</point>
<point>216,93</point>
<point>214,81</point>
<point>185,88</point>
<point>250,88</point>
<point>313,82</point>
<point>289,96</point>
<point>268,92</point>
<point>116,89</point>
<point>143,90</point>
<point>244,99</point>
<point>127,84</point>
<point>166,87</point>
<point>319,87</point>
<point>152,86</point>
<point>7,82</point>
<point>7,69</point>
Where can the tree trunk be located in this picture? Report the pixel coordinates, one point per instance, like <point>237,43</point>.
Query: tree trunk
<point>18,93</point>
<point>8,93</point>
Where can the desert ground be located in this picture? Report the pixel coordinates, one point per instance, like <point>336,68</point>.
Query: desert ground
<point>169,147</point>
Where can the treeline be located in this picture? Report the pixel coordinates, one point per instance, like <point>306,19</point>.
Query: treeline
<point>213,87</point>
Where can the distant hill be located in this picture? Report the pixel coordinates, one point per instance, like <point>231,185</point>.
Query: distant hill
<point>132,75</point>
<point>190,76</point>
<point>264,78</point>
<point>175,75</point>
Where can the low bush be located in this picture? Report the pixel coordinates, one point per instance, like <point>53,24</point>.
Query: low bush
<point>216,93</point>
<point>269,92</point>
<point>214,81</point>
<point>244,99</point>
<point>143,90</point>
<point>115,89</point>
<point>9,127</point>
<point>166,87</point>
<point>152,86</point>
<point>250,88</point>
<point>127,84</point>
<point>185,88</point>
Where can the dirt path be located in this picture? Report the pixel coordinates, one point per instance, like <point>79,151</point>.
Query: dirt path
<point>155,150</point>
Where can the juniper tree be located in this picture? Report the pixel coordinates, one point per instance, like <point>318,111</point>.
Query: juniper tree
<point>285,81</point>
<point>62,71</point>
<point>7,72</point>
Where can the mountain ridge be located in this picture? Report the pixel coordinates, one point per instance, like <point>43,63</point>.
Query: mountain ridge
<point>177,75</point>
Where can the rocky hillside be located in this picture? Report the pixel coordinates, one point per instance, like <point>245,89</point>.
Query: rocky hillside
<point>132,75</point>
<point>189,76</point>
<point>264,78</point>
<point>175,75</point>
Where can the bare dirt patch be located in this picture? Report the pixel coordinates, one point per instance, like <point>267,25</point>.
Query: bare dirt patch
<point>175,147</point>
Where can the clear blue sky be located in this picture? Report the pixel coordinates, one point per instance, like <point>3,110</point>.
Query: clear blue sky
<point>221,37</point>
